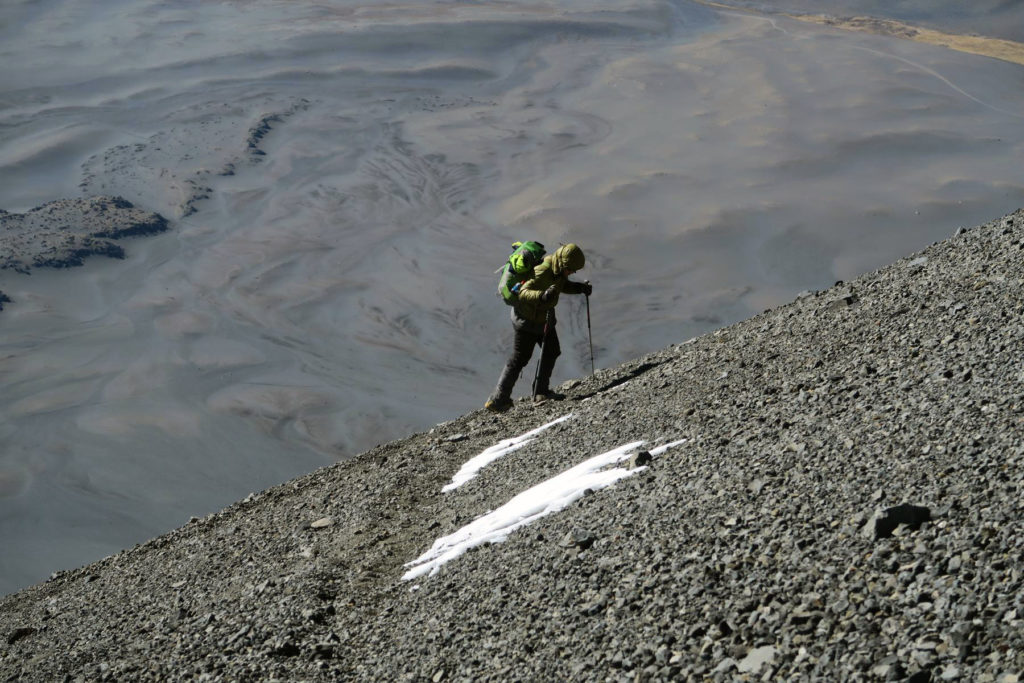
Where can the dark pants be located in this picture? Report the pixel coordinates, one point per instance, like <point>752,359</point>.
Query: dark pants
<point>522,350</point>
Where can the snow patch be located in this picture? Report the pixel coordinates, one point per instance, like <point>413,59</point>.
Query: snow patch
<point>661,449</point>
<point>545,498</point>
<point>499,450</point>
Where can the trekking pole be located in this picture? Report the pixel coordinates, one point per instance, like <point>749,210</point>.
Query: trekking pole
<point>590,336</point>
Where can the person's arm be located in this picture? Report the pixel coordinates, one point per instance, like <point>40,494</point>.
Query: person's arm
<point>546,299</point>
<point>571,287</point>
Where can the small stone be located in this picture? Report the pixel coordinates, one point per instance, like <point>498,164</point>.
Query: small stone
<point>594,607</point>
<point>581,538</point>
<point>322,523</point>
<point>841,303</point>
<point>888,669</point>
<point>756,659</point>
<point>725,665</point>
<point>639,460</point>
<point>884,522</point>
<point>324,650</point>
<point>924,658</point>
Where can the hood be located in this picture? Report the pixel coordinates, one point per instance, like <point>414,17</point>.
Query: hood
<point>568,257</point>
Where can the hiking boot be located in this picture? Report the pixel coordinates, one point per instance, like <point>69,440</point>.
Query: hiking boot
<point>547,395</point>
<point>500,399</point>
<point>498,404</point>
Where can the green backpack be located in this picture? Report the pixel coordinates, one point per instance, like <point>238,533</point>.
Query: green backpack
<point>518,269</point>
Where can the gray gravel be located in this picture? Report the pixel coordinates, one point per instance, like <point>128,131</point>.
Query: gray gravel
<point>848,506</point>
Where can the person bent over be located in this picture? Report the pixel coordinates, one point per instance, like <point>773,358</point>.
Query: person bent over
<point>533,320</point>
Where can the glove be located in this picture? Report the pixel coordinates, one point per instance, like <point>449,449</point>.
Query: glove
<point>586,288</point>
<point>550,294</point>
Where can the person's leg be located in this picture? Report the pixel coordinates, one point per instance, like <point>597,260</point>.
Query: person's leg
<point>522,350</point>
<point>550,353</point>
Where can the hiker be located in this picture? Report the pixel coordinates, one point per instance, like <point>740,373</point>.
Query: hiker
<point>533,319</point>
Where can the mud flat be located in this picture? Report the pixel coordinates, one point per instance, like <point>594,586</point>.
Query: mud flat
<point>843,499</point>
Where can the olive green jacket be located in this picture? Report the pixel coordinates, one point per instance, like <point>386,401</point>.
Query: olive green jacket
<point>529,310</point>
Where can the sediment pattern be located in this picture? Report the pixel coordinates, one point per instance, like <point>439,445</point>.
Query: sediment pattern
<point>847,505</point>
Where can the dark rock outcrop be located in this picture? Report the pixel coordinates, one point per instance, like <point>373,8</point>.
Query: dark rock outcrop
<point>61,233</point>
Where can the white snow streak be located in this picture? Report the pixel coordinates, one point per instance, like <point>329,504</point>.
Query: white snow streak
<point>661,449</point>
<point>545,498</point>
<point>501,449</point>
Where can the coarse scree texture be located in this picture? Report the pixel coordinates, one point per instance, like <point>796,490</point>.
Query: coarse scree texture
<point>846,506</point>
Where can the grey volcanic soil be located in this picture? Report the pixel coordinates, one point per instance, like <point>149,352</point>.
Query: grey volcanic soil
<point>753,550</point>
<point>60,234</point>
